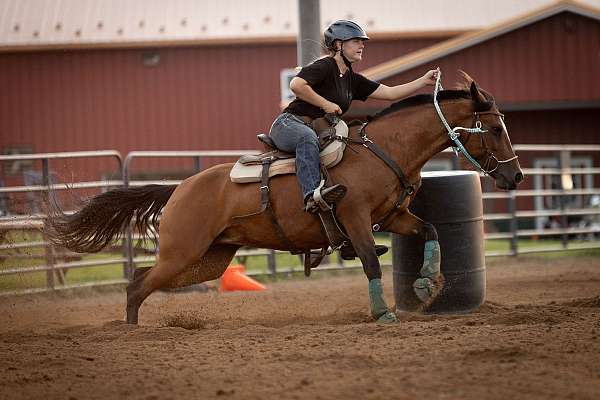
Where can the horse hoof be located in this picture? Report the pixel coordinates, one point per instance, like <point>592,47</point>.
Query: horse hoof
<point>423,288</point>
<point>387,318</point>
<point>427,289</point>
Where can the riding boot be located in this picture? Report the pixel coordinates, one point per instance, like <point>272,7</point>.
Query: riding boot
<point>321,203</point>
<point>323,200</point>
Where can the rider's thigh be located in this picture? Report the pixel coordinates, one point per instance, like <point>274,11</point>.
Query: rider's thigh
<point>288,131</point>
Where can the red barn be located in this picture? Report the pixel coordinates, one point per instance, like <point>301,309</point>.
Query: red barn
<point>542,68</point>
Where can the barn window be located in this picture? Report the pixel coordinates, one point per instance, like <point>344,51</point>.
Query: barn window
<point>150,59</point>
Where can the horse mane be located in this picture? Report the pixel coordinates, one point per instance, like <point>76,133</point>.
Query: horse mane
<point>421,99</point>
<point>463,91</point>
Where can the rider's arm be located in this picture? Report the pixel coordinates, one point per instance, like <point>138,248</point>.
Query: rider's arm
<point>398,92</point>
<point>303,91</point>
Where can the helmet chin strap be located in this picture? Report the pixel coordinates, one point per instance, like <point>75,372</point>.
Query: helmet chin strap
<point>346,61</point>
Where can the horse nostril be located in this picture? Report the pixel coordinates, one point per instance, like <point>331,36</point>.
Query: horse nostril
<point>518,177</point>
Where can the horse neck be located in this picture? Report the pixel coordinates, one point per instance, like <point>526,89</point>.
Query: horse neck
<point>414,135</point>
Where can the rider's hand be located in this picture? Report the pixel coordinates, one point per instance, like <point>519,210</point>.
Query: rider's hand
<point>331,108</point>
<point>430,77</point>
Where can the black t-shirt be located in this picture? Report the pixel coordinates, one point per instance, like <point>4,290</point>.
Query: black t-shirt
<point>323,76</point>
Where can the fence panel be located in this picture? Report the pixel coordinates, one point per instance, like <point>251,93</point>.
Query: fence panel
<point>22,199</point>
<point>558,210</point>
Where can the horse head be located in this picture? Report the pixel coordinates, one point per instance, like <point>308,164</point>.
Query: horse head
<point>491,148</point>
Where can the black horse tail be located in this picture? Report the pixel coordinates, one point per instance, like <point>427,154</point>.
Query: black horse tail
<point>104,217</point>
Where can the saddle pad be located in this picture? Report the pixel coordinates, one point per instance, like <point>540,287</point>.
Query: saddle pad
<point>330,156</point>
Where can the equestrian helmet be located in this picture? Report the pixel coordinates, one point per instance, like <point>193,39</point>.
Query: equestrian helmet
<point>343,30</point>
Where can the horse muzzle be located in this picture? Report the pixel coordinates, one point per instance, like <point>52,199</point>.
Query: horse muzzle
<point>508,178</point>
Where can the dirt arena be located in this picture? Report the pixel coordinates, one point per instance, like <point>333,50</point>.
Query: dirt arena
<point>536,337</point>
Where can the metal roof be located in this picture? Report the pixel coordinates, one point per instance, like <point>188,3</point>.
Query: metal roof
<point>31,24</point>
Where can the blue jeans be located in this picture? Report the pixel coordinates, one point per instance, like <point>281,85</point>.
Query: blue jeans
<point>291,134</point>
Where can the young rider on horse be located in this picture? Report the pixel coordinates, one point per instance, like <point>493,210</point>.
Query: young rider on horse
<point>328,86</point>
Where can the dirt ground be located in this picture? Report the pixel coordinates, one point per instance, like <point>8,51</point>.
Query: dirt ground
<point>536,337</point>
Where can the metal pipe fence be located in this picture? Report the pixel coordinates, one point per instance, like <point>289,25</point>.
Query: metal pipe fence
<point>564,181</point>
<point>573,193</point>
<point>32,222</point>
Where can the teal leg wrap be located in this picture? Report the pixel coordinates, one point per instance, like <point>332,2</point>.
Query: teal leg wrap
<point>431,259</point>
<point>379,308</point>
<point>424,287</point>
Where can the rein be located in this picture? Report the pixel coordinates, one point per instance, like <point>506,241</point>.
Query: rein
<point>454,134</point>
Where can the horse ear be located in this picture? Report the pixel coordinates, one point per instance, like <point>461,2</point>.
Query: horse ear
<point>476,94</point>
<point>478,97</point>
<point>466,78</point>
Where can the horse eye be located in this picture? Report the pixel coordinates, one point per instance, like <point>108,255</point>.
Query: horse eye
<point>497,130</point>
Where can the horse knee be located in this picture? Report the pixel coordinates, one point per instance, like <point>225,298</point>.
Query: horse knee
<point>428,232</point>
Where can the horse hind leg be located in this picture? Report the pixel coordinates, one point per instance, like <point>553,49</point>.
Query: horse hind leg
<point>134,299</point>
<point>166,268</point>
<point>210,266</point>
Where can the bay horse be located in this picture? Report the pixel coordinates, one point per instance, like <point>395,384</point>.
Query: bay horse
<point>199,233</point>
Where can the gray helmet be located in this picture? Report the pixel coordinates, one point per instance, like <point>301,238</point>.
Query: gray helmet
<point>343,30</point>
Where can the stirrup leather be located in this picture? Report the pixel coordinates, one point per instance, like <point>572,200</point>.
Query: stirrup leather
<point>322,203</point>
<point>333,231</point>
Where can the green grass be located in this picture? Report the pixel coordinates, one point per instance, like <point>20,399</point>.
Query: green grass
<point>36,257</point>
<point>254,264</point>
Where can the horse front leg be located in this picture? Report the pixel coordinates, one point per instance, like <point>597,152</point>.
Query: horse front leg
<point>431,282</point>
<point>359,232</point>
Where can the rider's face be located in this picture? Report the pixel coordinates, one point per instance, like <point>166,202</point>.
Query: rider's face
<point>353,49</point>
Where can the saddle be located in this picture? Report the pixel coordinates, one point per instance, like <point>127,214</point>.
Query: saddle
<point>331,131</point>
<point>249,168</point>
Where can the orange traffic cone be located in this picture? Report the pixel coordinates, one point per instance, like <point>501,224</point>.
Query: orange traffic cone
<point>234,278</point>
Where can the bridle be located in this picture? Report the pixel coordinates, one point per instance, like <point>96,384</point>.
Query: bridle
<point>409,188</point>
<point>491,158</point>
<point>454,135</point>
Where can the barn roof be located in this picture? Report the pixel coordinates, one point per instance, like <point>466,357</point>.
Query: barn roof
<point>428,54</point>
<point>55,24</point>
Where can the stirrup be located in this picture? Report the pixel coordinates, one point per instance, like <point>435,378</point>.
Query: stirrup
<point>348,253</point>
<point>324,199</point>
<point>312,259</point>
